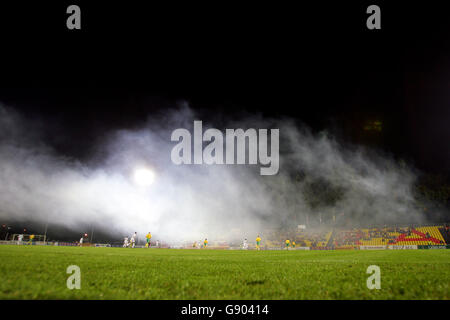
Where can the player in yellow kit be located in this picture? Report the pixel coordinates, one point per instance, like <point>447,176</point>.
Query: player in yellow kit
<point>31,239</point>
<point>293,244</point>
<point>148,237</point>
<point>287,243</point>
<point>258,242</point>
<point>205,243</point>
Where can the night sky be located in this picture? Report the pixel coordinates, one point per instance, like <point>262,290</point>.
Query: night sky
<point>315,62</point>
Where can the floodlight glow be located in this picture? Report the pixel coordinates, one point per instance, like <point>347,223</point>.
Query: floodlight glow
<point>144,177</point>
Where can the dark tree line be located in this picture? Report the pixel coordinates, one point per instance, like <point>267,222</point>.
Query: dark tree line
<point>432,191</point>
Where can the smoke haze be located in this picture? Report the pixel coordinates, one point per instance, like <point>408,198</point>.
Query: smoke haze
<point>317,179</point>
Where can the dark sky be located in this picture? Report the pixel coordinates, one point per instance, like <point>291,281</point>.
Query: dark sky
<point>315,62</point>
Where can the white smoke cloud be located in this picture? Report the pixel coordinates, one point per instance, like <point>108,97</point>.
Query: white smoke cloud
<point>190,202</point>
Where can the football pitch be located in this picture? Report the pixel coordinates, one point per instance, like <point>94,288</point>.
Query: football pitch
<point>40,272</point>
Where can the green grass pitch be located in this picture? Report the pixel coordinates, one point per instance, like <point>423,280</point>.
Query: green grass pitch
<point>39,272</point>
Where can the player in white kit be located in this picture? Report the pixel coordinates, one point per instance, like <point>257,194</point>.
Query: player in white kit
<point>133,239</point>
<point>245,245</point>
<point>125,242</point>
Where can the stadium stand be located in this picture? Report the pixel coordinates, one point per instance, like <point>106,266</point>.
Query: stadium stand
<point>445,232</point>
<point>428,235</point>
<point>353,238</point>
<point>421,236</point>
<point>313,239</point>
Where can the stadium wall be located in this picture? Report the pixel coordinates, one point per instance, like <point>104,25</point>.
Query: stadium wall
<point>403,247</point>
<point>434,247</point>
<point>372,247</point>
